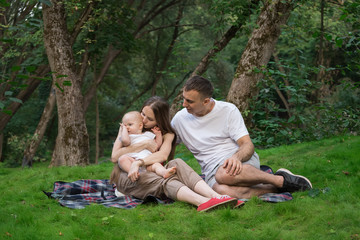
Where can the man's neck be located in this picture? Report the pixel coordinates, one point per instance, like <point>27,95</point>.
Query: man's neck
<point>209,108</point>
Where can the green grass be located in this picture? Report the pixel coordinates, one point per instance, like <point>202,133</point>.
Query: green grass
<point>331,211</point>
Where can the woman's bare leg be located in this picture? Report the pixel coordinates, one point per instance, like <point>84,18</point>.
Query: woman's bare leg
<point>185,194</point>
<point>205,190</point>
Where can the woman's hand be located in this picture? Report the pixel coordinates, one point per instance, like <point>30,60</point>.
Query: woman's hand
<point>134,171</point>
<point>151,145</point>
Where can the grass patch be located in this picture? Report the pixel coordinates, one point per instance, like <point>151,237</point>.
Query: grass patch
<point>330,211</point>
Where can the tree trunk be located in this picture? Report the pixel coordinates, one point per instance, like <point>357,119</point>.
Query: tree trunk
<point>258,51</point>
<point>1,145</point>
<point>30,150</point>
<point>91,92</point>
<point>97,124</point>
<point>72,142</point>
<point>323,61</point>
<point>158,74</point>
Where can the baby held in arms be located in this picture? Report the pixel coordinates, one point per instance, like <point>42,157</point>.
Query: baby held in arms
<point>131,132</point>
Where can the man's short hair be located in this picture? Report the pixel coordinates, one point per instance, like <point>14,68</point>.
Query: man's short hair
<point>200,84</point>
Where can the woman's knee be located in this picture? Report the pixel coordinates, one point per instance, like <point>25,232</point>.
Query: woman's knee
<point>175,162</point>
<point>115,174</point>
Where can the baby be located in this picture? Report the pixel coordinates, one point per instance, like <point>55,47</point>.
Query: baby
<point>131,131</point>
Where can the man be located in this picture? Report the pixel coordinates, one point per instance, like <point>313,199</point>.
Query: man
<point>215,132</point>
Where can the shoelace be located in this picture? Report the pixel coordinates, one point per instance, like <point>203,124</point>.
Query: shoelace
<point>223,197</point>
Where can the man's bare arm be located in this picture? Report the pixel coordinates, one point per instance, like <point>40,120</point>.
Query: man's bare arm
<point>246,149</point>
<point>233,164</point>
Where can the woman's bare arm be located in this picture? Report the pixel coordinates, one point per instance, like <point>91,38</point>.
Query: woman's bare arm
<point>163,153</point>
<point>159,156</point>
<point>119,150</point>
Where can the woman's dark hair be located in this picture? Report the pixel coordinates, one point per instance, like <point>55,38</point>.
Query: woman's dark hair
<point>161,111</point>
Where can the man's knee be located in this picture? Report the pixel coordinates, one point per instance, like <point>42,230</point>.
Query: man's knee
<point>222,177</point>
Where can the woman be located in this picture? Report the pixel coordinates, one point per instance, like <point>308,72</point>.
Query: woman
<point>186,185</point>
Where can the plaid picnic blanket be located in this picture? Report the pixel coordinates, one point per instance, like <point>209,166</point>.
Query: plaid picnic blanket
<point>273,197</point>
<point>82,193</point>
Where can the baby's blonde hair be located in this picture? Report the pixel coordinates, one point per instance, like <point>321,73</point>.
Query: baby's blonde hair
<point>133,114</point>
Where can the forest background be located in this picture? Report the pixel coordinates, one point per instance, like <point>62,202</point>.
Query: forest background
<point>70,69</point>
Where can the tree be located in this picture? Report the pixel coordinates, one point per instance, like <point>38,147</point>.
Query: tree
<point>31,148</point>
<point>218,46</point>
<point>258,52</point>
<point>72,142</point>
<point>21,61</point>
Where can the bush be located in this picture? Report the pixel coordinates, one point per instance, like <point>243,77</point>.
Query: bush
<point>339,114</point>
<point>14,151</point>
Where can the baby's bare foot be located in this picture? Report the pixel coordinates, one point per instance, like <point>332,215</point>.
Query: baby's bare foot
<point>169,172</point>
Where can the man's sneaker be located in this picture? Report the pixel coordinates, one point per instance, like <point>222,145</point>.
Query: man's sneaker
<point>239,204</point>
<point>217,202</point>
<point>292,182</point>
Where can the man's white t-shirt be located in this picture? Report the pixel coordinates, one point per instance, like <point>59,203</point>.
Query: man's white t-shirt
<point>211,138</point>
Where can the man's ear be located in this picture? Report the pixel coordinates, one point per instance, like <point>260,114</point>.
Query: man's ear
<point>206,101</point>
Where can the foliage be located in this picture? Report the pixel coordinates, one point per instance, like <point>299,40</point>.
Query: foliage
<point>338,115</point>
<point>129,80</point>
<point>230,12</point>
<point>16,145</point>
<point>21,53</point>
<point>288,108</point>
<point>327,212</point>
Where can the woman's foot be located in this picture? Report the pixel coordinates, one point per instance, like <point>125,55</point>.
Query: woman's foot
<point>213,203</point>
<point>169,172</point>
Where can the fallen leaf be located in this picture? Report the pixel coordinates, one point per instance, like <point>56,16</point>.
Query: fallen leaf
<point>8,234</point>
<point>355,236</point>
<point>345,172</point>
<point>314,192</point>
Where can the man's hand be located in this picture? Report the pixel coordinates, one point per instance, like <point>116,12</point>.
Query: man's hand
<point>133,173</point>
<point>233,166</point>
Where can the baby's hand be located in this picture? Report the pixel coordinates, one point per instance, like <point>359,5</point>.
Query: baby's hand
<point>156,130</point>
